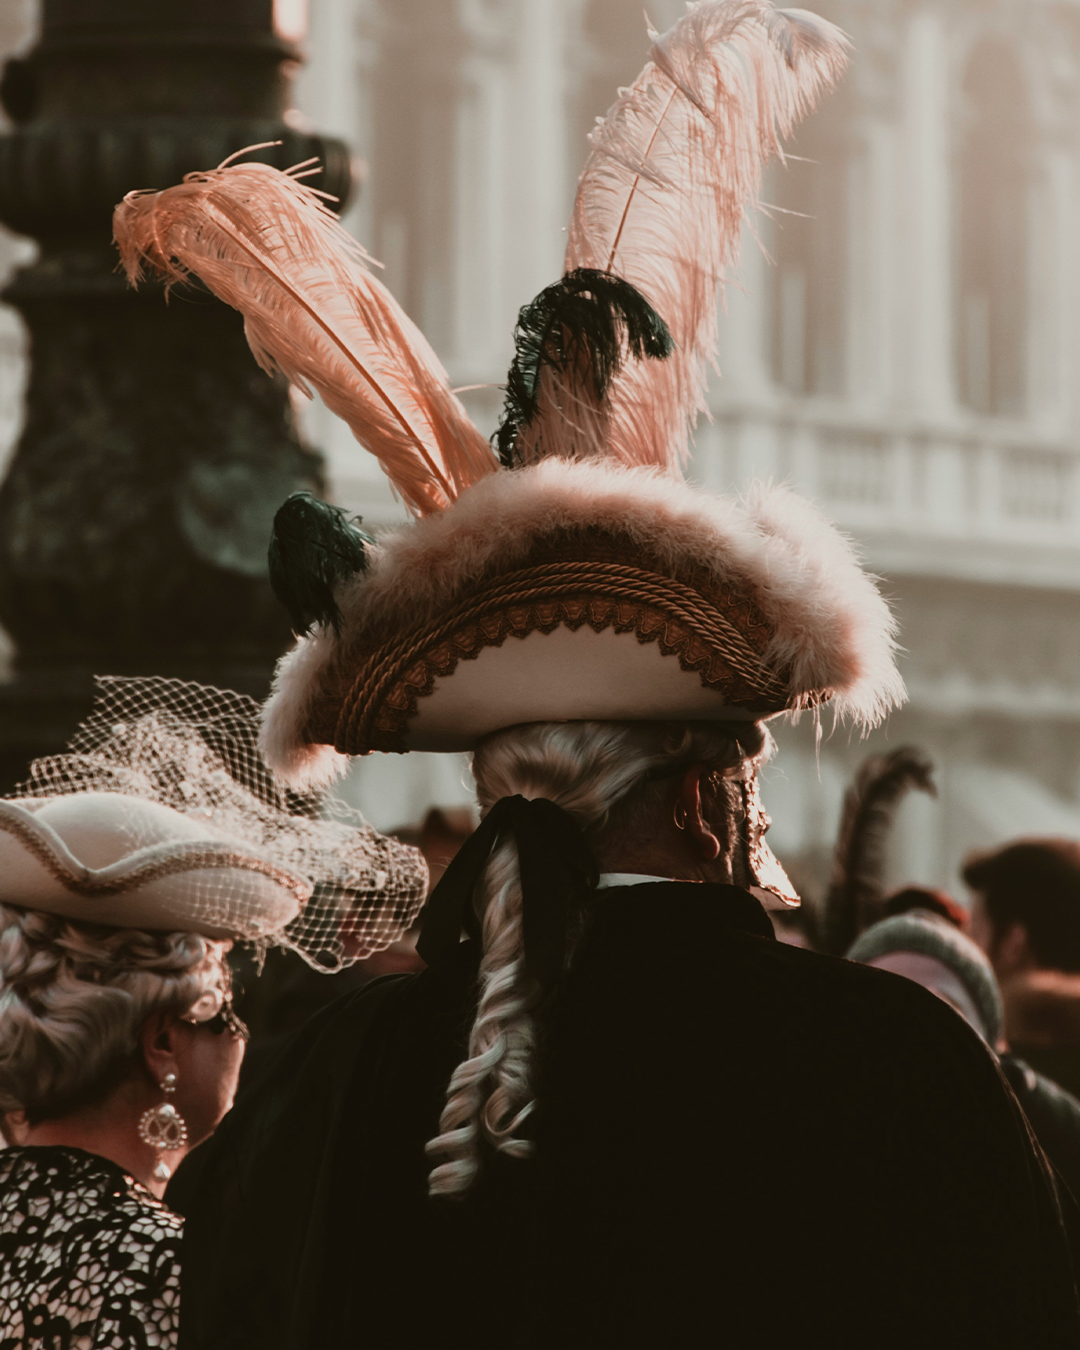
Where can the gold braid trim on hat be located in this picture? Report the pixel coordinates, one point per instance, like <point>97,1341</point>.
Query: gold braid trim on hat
<point>713,641</point>
<point>209,857</point>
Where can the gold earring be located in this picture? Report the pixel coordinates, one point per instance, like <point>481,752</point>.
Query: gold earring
<point>164,1128</point>
<point>680,824</point>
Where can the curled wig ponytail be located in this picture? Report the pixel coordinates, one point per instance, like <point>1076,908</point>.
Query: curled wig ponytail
<point>604,775</point>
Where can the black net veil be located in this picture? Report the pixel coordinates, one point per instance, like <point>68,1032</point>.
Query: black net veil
<point>194,748</point>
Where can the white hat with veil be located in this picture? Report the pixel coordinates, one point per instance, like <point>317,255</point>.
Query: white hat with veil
<point>161,814</point>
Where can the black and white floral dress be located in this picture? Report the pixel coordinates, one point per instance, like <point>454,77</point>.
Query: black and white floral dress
<point>89,1259</point>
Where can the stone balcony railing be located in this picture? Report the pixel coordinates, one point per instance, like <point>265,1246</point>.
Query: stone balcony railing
<point>992,501</point>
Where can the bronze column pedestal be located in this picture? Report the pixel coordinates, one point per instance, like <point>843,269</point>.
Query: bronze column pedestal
<point>135,513</point>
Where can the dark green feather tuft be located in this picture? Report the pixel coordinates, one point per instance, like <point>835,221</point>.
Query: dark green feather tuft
<point>314,547</point>
<point>578,323</point>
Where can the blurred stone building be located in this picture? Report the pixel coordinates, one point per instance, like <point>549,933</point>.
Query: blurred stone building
<point>908,356</point>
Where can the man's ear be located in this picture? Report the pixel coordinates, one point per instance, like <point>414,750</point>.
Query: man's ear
<point>689,805</point>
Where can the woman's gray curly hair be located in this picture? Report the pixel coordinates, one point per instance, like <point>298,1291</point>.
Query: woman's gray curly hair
<point>74,997</point>
<point>612,777</point>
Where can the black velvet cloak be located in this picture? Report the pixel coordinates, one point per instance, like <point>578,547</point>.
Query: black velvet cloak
<point>739,1143</point>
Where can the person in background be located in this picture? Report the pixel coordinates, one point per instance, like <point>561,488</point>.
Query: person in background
<point>925,898</point>
<point>925,946</point>
<point>803,928</point>
<point>1026,918</point>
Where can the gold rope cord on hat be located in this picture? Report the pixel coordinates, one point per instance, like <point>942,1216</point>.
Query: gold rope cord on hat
<point>152,869</point>
<point>552,581</point>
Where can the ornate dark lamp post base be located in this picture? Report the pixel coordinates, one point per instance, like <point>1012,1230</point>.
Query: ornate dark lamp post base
<point>135,515</point>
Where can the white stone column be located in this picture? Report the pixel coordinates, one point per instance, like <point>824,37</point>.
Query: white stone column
<point>334,92</point>
<point>479,225</point>
<point>328,90</point>
<point>926,282</point>
<point>1054,276</point>
<point>743,445</point>
<point>745,366</point>
<point>512,194</point>
<point>917,854</point>
<point>538,184</point>
<point>1068,362</point>
<point>872,266</point>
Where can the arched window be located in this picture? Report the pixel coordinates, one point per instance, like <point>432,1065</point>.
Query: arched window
<point>993,244</point>
<point>808,243</point>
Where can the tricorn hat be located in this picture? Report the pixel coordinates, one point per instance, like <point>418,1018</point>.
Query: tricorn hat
<point>583,590</point>
<point>575,574</point>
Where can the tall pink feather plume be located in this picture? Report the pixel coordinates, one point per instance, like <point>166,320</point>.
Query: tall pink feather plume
<point>674,167</point>
<point>266,244</point>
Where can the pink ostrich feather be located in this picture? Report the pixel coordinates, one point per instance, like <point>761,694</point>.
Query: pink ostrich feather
<point>266,244</point>
<point>673,169</point>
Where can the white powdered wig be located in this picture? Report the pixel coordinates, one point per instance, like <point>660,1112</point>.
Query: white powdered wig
<point>830,625</point>
<point>601,773</point>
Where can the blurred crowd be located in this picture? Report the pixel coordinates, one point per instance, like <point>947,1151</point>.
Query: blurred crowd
<point>1008,961</point>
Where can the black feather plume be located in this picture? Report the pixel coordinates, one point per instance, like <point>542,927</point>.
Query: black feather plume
<point>856,892</point>
<point>577,323</point>
<point>313,548</point>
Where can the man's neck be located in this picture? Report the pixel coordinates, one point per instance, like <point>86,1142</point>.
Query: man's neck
<point>670,865</point>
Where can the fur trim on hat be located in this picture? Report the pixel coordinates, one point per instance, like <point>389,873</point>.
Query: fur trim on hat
<point>304,765</point>
<point>831,626</point>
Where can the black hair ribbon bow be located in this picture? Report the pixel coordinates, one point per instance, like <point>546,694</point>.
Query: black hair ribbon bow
<point>556,865</point>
